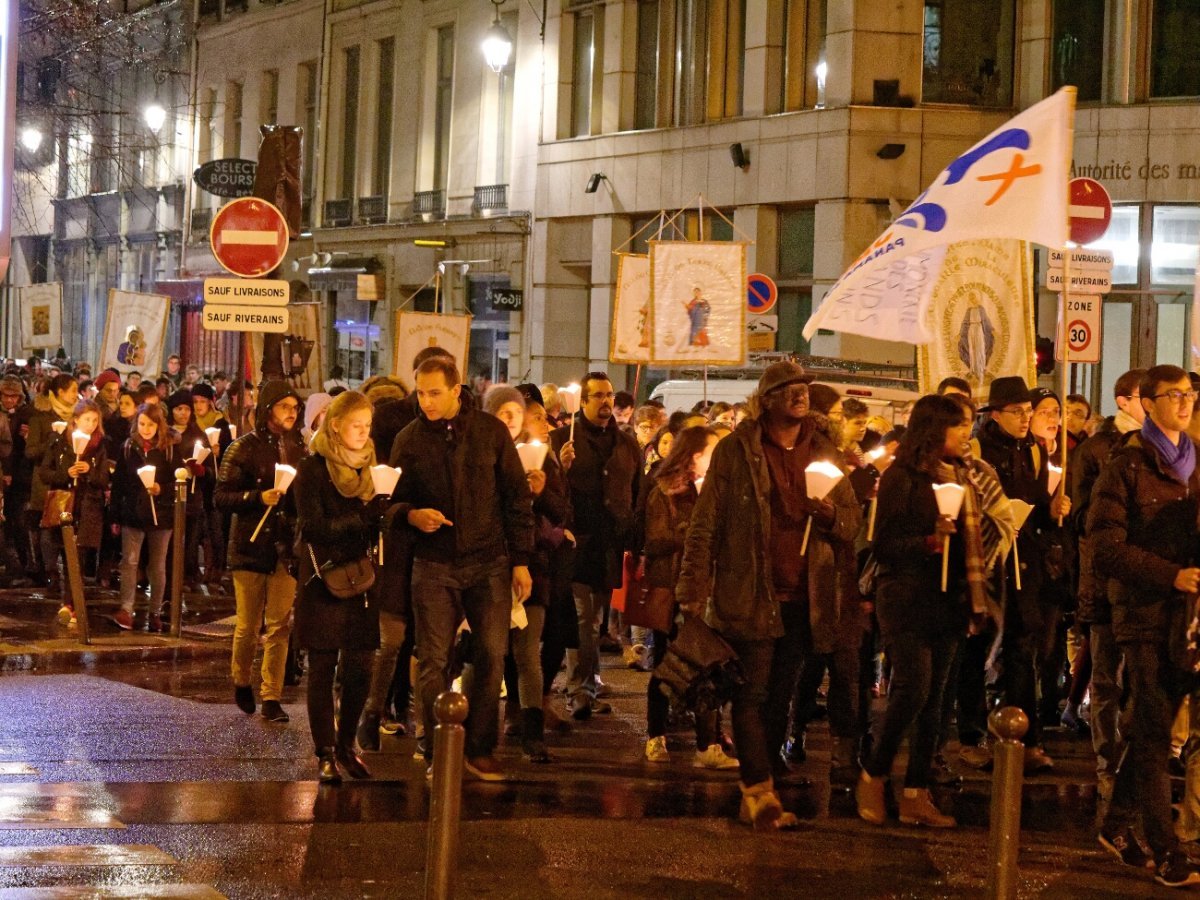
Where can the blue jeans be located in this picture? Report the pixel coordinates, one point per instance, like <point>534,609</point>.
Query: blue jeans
<point>583,665</point>
<point>442,594</point>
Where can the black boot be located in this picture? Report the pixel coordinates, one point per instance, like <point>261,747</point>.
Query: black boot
<point>368,732</point>
<point>533,726</point>
<point>327,767</point>
<point>350,761</point>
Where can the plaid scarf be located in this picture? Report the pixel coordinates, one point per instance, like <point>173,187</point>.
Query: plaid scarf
<point>988,527</point>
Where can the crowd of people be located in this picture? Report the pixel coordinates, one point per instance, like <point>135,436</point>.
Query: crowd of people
<point>514,539</point>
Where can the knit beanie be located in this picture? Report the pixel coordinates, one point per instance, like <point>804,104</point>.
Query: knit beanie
<point>179,398</point>
<point>200,389</point>
<point>532,394</point>
<point>499,394</point>
<point>106,377</point>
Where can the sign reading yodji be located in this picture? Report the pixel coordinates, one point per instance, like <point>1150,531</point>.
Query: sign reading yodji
<point>227,177</point>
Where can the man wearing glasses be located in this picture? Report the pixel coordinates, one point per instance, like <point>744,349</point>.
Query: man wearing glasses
<point>1143,528</point>
<point>1030,614</point>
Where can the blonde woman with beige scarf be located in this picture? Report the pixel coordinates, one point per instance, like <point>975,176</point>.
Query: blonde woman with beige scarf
<point>339,519</point>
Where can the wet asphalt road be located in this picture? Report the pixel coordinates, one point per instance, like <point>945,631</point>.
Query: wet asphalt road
<point>144,780</point>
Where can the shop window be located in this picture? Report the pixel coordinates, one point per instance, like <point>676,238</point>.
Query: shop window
<point>1173,251</point>
<point>1175,49</point>
<point>797,235</point>
<point>1122,239</point>
<point>968,52</point>
<point>1078,46</point>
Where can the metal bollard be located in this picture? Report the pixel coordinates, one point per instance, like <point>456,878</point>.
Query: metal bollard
<point>177,539</point>
<point>75,578</point>
<point>445,806</point>
<point>1008,726</point>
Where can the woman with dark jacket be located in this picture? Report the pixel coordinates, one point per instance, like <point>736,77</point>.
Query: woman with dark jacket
<point>200,492</point>
<point>669,507</point>
<point>338,522</point>
<point>152,443</point>
<point>920,623</point>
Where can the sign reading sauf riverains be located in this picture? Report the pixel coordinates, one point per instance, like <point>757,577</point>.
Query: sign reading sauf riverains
<point>249,238</point>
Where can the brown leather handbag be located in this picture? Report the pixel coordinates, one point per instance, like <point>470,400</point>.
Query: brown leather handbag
<point>57,503</point>
<point>346,581</point>
<point>649,607</point>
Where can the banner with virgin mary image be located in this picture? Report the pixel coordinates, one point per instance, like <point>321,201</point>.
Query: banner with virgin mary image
<point>698,303</point>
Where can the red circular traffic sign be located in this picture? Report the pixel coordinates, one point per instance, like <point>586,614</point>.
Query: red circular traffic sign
<point>249,237</point>
<point>1079,335</point>
<point>1089,210</point>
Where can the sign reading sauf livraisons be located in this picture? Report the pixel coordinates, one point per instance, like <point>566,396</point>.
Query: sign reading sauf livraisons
<point>227,177</point>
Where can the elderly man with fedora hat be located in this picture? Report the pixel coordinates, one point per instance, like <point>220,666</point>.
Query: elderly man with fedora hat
<point>1030,613</point>
<point>744,568</point>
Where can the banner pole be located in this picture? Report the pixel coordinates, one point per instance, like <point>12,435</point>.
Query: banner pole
<point>1066,369</point>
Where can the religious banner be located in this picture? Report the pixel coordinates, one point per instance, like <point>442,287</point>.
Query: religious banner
<point>134,333</point>
<point>41,316</point>
<point>415,331</point>
<point>698,303</point>
<point>630,337</point>
<point>299,355</point>
<point>980,313</point>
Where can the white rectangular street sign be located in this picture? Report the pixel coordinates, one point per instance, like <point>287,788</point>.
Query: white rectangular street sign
<point>762,324</point>
<point>221,317</point>
<point>1083,320</point>
<point>1085,282</point>
<point>246,291</point>
<point>1084,259</point>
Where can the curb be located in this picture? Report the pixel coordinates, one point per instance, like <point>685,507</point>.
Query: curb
<point>86,658</point>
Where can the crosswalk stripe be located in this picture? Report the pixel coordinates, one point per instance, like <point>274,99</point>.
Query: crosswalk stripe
<point>114,892</point>
<point>85,855</point>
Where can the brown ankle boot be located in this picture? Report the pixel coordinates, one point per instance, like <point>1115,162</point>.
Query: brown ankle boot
<point>762,808</point>
<point>872,803</point>
<point>916,808</point>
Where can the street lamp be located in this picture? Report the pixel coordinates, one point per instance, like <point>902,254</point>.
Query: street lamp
<point>31,139</point>
<point>497,43</point>
<point>155,117</point>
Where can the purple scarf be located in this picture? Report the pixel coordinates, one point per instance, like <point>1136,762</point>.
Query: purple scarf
<point>1178,459</point>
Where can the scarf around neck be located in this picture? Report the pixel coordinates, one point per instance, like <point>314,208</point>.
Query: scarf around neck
<point>350,470</point>
<point>1179,460</point>
<point>1125,423</point>
<point>64,411</point>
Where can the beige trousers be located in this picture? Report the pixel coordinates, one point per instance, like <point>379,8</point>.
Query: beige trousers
<point>260,595</point>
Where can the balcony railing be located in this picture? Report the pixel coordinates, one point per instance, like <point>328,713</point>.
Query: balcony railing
<point>491,197</point>
<point>338,213</point>
<point>372,210</point>
<point>429,203</point>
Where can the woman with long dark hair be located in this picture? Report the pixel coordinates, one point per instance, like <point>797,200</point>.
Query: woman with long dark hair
<point>669,508</point>
<point>920,623</point>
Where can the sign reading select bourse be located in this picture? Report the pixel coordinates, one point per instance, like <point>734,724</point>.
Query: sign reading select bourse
<point>227,177</point>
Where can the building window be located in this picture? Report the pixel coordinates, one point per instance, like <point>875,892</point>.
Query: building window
<point>1174,49</point>
<point>645,110</point>
<point>1175,237</point>
<point>79,164</point>
<point>797,238</point>
<point>269,112</point>
<point>1079,46</point>
<point>308,82</point>
<point>233,118</point>
<point>381,175</point>
<point>969,49</point>
<point>1122,239</point>
<point>504,117</point>
<point>350,88</point>
<point>803,52</point>
<point>726,57</point>
<point>443,107</point>
<point>691,65</point>
<point>584,72</point>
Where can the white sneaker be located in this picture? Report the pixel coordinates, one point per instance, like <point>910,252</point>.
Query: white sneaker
<point>714,757</point>
<point>656,750</point>
<point>632,656</point>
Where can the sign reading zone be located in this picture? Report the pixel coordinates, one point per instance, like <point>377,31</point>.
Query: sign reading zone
<point>1082,335</point>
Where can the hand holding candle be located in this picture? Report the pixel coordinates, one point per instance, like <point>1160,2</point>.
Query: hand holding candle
<point>532,454</point>
<point>384,478</point>
<point>79,443</point>
<point>570,397</point>
<point>949,499</point>
<point>214,438</point>
<point>1020,510</point>
<point>819,479</point>
<point>147,473</point>
<point>59,427</point>
<point>875,457</point>
<point>284,474</point>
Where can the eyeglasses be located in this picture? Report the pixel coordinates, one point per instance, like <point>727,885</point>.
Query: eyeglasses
<point>1023,412</point>
<point>1178,396</point>
<point>609,396</point>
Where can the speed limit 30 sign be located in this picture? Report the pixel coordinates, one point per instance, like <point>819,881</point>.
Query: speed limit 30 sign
<point>1079,329</point>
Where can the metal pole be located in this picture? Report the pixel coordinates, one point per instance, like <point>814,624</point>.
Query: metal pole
<point>445,806</point>
<point>1008,725</point>
<point>177,540</point>
<point>75,578</point>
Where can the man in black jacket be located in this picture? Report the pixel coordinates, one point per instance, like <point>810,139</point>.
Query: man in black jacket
<point>263,579</point>
<point>1143,528</point>
<point>603,466</point>
<point>463,490</point>
<point>1030,614</point>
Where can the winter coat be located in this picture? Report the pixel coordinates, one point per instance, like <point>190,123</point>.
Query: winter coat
<point>130,496</point>
<point>1142,525</point>
<point>604,481</point>
<point>727,552</point>
<point>909,596</point>
<point>470,465</point>
<point>339,530</point>
<point>20,466</point>
<point>248,469</point>
<point>668,515</point>
<point>199,497</point>
<point>53,475</point>
<point>552,515</point>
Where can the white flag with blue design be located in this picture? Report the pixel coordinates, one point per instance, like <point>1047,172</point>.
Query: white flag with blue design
<point>1012,184</point>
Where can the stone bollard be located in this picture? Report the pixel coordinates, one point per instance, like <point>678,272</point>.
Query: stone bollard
<point>178,539</point>
<point>445,806</point>
<point>1008,727</point>
<point>75,578</point>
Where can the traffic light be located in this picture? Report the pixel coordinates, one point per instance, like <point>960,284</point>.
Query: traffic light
<point>1044,353</point>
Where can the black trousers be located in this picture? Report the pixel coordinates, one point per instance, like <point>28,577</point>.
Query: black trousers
<point>323,666</point>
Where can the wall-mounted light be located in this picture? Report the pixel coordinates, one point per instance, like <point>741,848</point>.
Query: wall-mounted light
<point>593,184</point>
<point>891,151</point>
<point>738,154</point>
<point>497,43</point>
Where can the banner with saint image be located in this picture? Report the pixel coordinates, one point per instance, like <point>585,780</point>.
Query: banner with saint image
<point>698,303</point>
<point>629,341</point>
<point>416,330</point>
<point>41,316</point>
<point>134,333</point>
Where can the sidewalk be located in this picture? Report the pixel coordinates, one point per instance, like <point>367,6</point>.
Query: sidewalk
<point>32,640</point>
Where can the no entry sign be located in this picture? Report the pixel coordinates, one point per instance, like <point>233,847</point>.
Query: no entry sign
<point>1089,210</point>
<point>249,237</point>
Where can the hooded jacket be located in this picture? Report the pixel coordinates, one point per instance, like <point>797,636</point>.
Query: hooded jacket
<point>248,469</point>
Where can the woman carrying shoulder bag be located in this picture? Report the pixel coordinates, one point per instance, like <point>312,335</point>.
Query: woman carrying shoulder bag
<point>338,523</point>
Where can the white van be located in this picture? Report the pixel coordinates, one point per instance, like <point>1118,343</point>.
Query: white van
<point>888,402</point>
